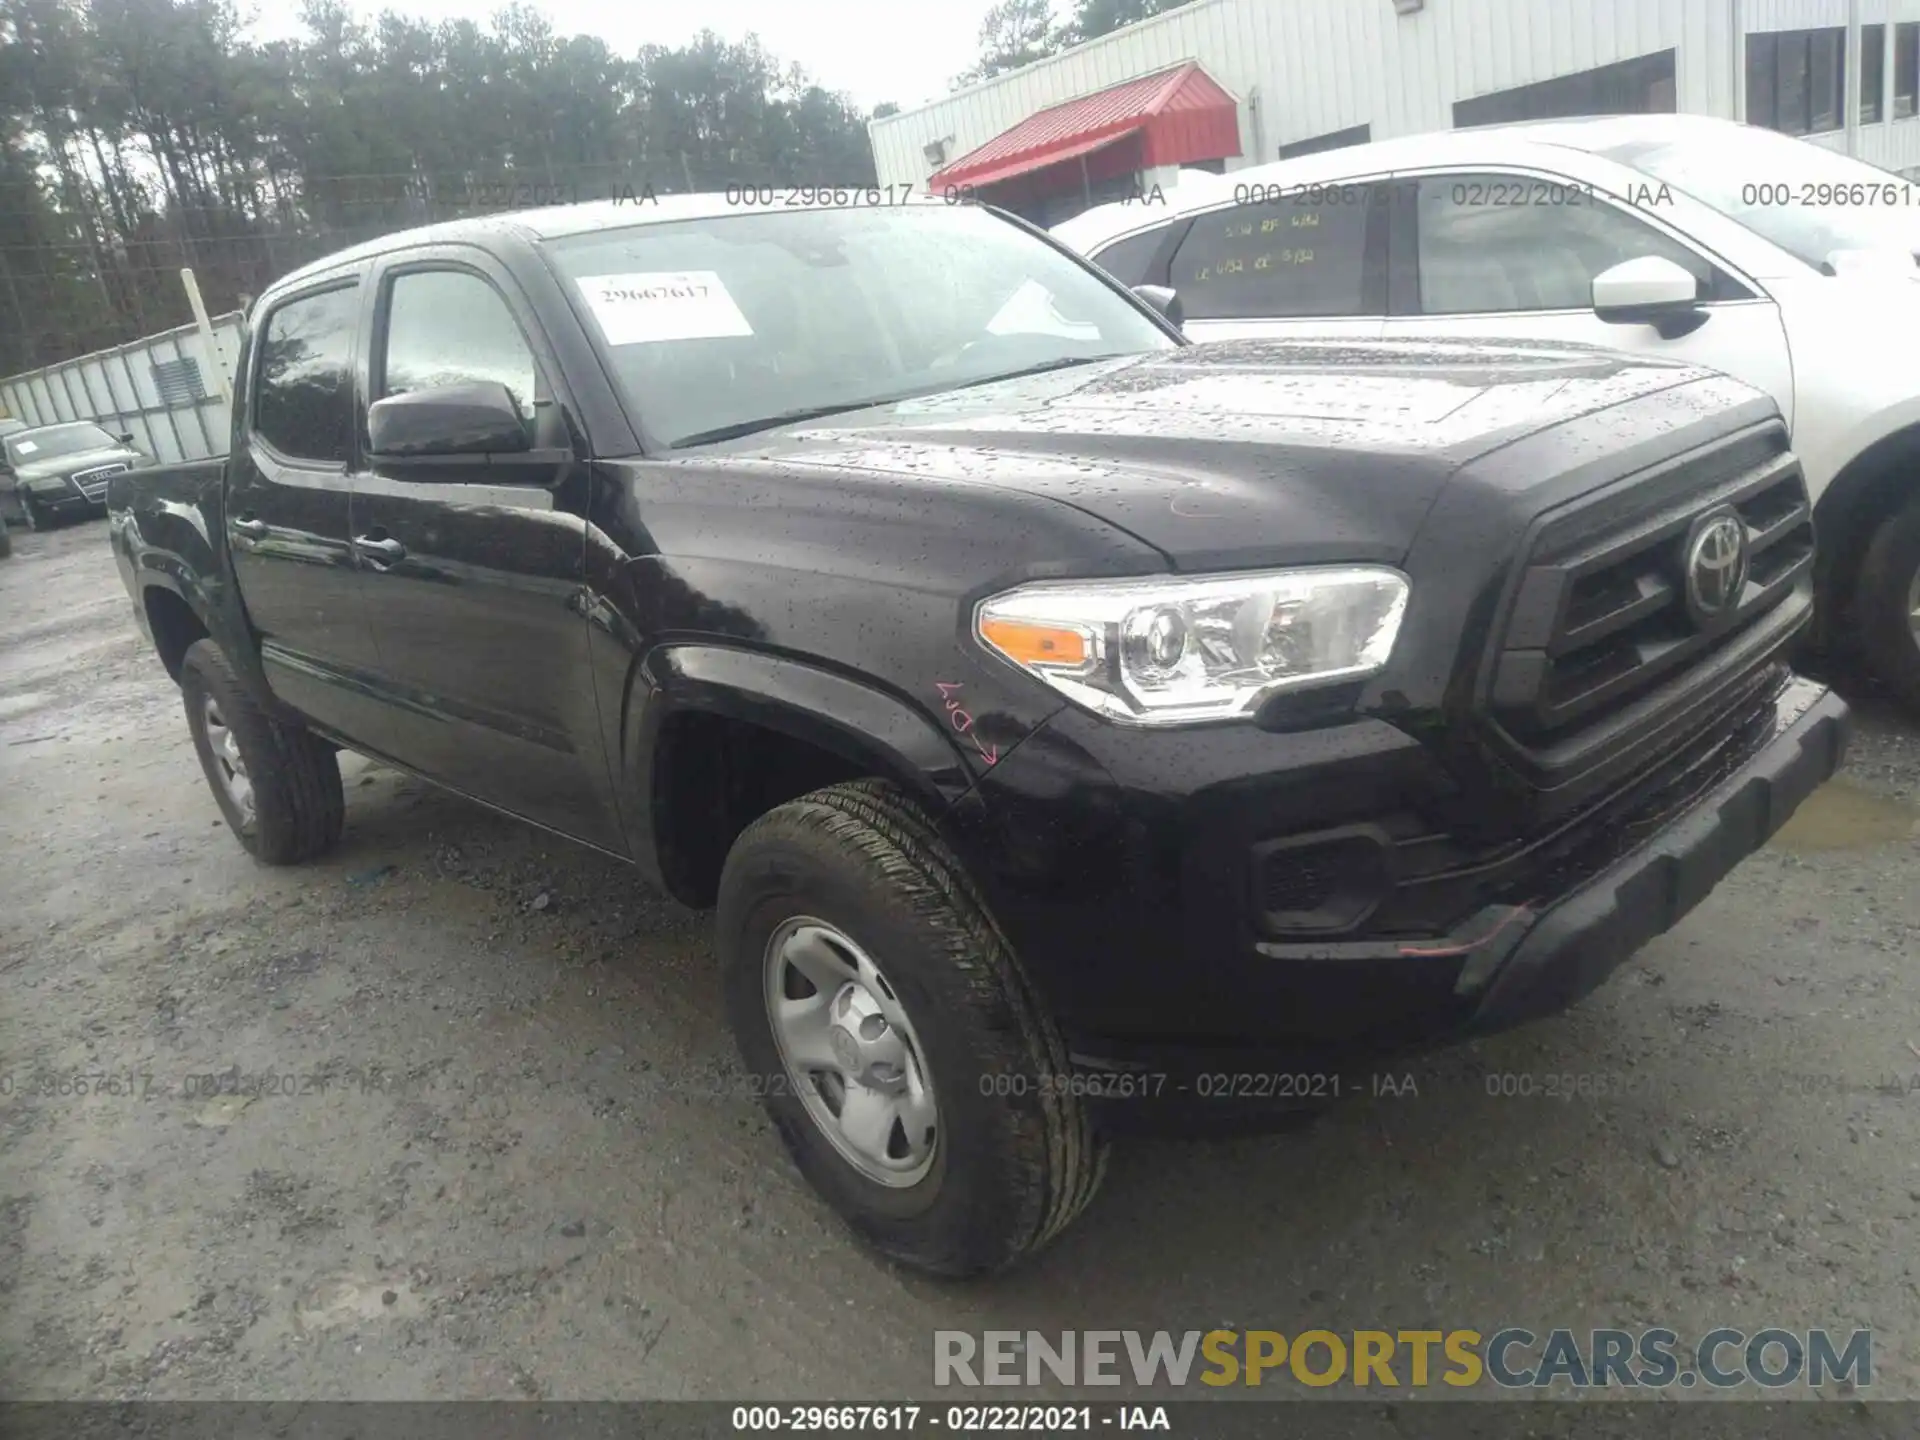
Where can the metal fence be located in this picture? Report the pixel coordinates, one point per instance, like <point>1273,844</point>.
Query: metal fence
<point>164,390</point>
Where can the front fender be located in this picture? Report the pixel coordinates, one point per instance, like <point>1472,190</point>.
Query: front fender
<point>873,729</point>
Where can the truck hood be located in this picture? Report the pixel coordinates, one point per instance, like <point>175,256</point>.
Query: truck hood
<point>1239,452</point>
<point>79,460</point>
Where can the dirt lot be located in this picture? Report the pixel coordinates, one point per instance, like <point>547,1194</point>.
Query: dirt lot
<point>508,1155</point>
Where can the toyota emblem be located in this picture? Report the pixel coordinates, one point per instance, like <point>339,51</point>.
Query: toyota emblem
<point>1716,564</point>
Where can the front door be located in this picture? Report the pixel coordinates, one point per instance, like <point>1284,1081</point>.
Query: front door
<point>474,566</point>
<point>288,513</point>
<point>1482,255</point>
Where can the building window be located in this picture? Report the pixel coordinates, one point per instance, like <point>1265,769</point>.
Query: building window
<point>1641,86</point>
<point>1906,70</point>
<point>1796,80</point>
<point>1873,73</point>
<point>1335,140</point>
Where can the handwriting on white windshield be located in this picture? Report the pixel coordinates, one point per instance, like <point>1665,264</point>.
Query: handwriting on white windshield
<point>645,307</point>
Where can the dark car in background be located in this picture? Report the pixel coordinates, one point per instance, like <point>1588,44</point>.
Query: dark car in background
<point>49,472</point>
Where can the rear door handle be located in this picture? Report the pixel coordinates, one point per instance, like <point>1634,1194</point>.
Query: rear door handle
<point>251,528</point>
<point>384,549</point>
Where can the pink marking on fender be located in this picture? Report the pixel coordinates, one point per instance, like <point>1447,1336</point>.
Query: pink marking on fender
<point>963,722</point>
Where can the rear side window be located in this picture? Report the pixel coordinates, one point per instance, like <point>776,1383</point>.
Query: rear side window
<point>1130,261</point>
<point>450,327</point>
<point>1291,257</point>
<point>303,395</point>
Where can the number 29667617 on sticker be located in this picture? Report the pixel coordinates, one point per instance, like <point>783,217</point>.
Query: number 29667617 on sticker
<point>648,306</point>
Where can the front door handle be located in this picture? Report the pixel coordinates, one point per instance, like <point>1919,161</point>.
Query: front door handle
<point>251,528</point>
<point>384,548</point>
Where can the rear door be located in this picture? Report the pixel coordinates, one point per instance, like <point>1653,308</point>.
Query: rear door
<point>1485,254</point>
<point>288,510</point>
<point>1289,261</point>
<point>474,563</point>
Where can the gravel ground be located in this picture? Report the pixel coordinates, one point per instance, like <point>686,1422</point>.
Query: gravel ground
<point>509,1156</point>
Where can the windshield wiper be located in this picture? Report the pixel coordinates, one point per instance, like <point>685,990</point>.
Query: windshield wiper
<point>742,428</point>
<point>1064,362</point>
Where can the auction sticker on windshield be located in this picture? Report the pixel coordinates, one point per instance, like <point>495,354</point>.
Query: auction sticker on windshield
<point>26,447</point>
<point>649,306</point>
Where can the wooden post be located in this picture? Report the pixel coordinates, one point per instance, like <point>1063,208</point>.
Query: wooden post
<point>205,326</point>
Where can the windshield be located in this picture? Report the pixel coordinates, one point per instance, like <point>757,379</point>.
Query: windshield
<point>28,446</point>
<point>714,325</point>
<point>1809,201</point>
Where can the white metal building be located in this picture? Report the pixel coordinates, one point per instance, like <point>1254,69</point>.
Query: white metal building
<point>164,390</point>
<point>1316,74</point>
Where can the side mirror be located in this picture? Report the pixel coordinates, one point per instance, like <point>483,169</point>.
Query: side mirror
<point>1166,301</point>
<point>125,439</point>
<point>473,419</point>
<point>1650,290</point>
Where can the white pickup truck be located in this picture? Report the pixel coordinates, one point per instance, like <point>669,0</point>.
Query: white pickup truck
<point>1782,263</point>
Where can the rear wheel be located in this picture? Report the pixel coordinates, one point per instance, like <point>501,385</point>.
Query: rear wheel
<point>1887,605</point>
<point>277,784</point>
<point>900,1049</point>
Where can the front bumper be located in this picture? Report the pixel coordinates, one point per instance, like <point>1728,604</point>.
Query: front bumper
<point>69,501</point>
<point>1228,1031</point>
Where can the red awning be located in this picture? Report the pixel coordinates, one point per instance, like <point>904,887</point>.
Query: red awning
<point>1180,115</point>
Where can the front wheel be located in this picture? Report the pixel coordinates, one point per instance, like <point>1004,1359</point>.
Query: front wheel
<point>901,1051</point>
<point>277,784</point>
<point>1887,605</point>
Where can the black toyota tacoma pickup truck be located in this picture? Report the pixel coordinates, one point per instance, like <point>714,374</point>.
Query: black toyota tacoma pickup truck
<point>1074,729</point>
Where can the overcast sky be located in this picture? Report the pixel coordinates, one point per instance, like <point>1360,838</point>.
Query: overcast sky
<point>875,50</point>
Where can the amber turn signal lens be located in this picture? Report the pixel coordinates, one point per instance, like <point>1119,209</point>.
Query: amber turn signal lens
<point>1028,643</point>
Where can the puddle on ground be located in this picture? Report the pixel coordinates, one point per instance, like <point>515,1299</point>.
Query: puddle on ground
<point>1842,816</point>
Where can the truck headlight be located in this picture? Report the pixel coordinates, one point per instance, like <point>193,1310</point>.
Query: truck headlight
<point>1172,651</point>
<point>43,484</point>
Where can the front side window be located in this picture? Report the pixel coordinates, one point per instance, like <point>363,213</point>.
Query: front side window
<point>1296,255</point>
<point>1505,243</point>
<point>1804,198</point>
<point>53,441</point>
<point>723,325</point>
<point>450,327</point>
<point>303,395</point>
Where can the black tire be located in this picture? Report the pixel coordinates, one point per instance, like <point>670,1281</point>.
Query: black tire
<point>1009,1171</point>
<point>298,803</point>
<point>6,542</point>
<point>1884,597</point>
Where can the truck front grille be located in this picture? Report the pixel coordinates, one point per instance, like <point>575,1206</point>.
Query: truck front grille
<point>1606,646</point>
